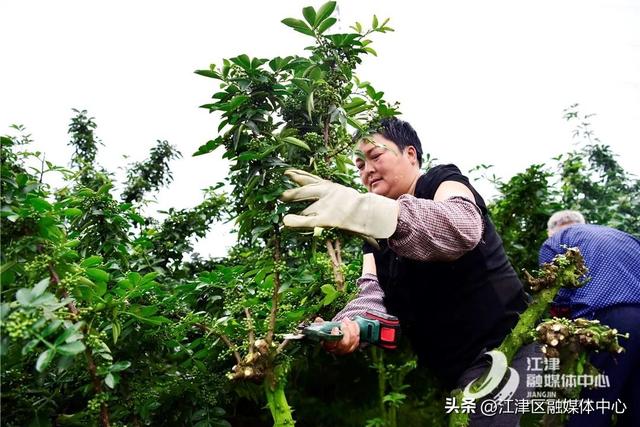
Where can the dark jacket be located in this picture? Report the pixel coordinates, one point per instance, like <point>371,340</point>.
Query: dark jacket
<point>452,311</point>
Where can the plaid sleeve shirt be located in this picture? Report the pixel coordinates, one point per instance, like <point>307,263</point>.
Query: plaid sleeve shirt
<point>427,231</point>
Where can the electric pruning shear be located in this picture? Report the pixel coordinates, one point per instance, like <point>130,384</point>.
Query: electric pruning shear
<point>380,329</point>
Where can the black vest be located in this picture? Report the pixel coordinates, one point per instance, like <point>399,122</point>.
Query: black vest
<point>452,311</point>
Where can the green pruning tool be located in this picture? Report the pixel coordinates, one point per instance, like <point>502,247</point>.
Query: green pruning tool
<point>376,328</point>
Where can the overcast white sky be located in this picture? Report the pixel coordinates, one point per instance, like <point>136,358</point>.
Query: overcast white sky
<point>482,82</point>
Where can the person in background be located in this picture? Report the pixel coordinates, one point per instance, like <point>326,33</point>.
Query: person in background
<point>437,262</point>
<point>612,296</point>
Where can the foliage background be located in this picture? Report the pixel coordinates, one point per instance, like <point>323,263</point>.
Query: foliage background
<point>146,326</point>
<point>481,82</point>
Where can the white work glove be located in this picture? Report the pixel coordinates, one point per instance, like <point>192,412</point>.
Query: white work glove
<point>341,207</point>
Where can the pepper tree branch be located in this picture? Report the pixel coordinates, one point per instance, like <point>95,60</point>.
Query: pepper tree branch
<point>252,338</point>
<point>223,337</point>
<point>91,364</point>
<point>336,261</point>
<point>276,286</point>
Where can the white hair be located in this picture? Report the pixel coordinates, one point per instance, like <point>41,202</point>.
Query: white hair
<point>561,219</point>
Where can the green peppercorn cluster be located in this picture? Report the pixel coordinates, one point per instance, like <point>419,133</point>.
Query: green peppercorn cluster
<point>325,96</point>
<point>38,265</point>
<point>95,403</point>
<point>279,266</point>
<point>314,141</point>
<point>95,340</point>
<point>19,324</point>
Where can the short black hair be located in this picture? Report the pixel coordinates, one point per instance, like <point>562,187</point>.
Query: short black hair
<point>401,133</point>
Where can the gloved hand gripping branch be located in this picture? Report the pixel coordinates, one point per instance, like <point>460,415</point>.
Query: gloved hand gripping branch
<point>335,205</point>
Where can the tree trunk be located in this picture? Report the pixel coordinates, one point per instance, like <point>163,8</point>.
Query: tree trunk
<point>277,400</point>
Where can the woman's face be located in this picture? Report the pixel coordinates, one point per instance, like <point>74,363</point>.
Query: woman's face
<point>385,169</point>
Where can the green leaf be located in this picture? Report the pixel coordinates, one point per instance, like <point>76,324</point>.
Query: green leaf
<point>72,212</point>
<point>119,366</point>
<point>72,243</point>
<point>326,25</point>
<point>235,103</point>
<point>330,293</point>
<point>125,283</point>
<point>5,309</point>
<point>298,25</point>
<point>328,299</point>
<point>28,347</point>
<point>325,11</point>
<point>356,124</point>
<point>259,230</point>
<point>328,289</point>
<point>109,380</point>
<point>297,142</point>
<point>22,179</point>
<point>51,327</point>
<point>44,360</point>
<point>39,204</point>
<point>134,278</point>
<point>71,349</point>
<point>371,51</point>
<point>45,299</point>
<point>149,277</point>
<point>40,288</point>
<point>97,274</point>
<point>209,73</point>
<point>243,61</point>
<point>136,218</point>
<point>69,334</point>
<point>6,211</point>
<point>115,331</point>
<point>105,188</point>
<point>248,155</point>
<point>100,288</point>
<point>6,266</point>
<point>309,14</point>
<point>91,261</point>
<point>86,282</point>
<point>24,296</point>
<point>209,146</point>
<point>257,62</point>
<point>374,23</point>
<point>354,103</point>
<point>153,320</point>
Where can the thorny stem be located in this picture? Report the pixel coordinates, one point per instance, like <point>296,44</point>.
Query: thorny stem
<point>223,337</point>
<point>326,132</point>
<point>336,262</point>
<point>277,400</point>
<point>554,277</point>
<point>55,281</point>
<point>282,345</point>
<point>378,363</point>
<point>252,338</point>
<point>276,287</point>
<point>41,170</point>
<point>337,151</point>
<point>91,365</point>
